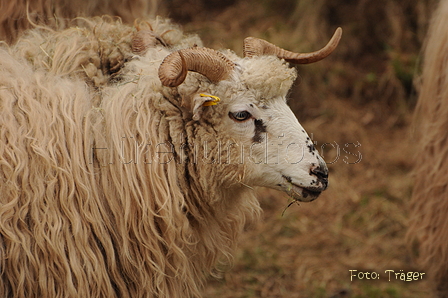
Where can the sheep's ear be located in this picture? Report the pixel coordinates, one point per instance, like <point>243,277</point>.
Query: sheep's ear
<point>202,100</point>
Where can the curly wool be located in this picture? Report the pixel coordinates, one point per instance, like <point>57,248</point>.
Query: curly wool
<point>267,76</point>
<point>428,225</point>
<point>88,208</point>
<point>95,50</point>
<point>18,15</point>
<point>275,80</point>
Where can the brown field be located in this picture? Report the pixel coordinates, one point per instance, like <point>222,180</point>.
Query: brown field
<point>358,105</point>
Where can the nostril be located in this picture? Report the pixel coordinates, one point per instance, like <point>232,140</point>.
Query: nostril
<point>320,173</point>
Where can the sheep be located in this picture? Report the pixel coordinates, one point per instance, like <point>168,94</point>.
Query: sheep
<point>129,156</point>
<point>428,221</point>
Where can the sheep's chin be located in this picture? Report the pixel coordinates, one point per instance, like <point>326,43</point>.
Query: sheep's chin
<point>301,194</point>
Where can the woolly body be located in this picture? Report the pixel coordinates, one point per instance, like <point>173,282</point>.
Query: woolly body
<point>108,187</point>
<point>428,226</point>
<point>17,14</point>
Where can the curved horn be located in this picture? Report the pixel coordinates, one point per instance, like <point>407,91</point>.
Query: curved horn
<point>144,39</point>
<point>210,63</point>
<point>257,47</point>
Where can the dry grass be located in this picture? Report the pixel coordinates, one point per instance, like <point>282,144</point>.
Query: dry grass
<point>363,94</point>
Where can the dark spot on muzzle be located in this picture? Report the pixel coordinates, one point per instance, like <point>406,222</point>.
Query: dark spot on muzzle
<point>309,192</point>
<point>259,129</point>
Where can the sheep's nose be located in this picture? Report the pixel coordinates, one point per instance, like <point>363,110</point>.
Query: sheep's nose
<point>321,172</point>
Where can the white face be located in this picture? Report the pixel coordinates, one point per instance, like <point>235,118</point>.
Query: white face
<point>278,153</point>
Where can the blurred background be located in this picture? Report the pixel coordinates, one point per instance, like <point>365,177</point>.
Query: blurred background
<point>357,104</point>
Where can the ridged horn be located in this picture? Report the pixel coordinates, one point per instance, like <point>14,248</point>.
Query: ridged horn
<point>143,40</point>
<point>210,63</point>
<point>258,47</point>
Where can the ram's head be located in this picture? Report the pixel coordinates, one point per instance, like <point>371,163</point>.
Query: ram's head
<point>260,131</point>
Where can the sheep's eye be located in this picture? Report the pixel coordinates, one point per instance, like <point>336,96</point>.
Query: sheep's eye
<point>240,116</point>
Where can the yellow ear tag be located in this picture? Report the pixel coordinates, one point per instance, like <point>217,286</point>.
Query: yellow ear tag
<point>208,103</point>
